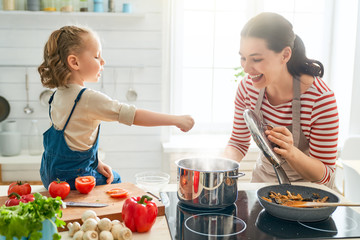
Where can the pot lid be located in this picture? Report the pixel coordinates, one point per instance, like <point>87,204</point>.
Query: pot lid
<point>4,109</point>
<point>257,129</point>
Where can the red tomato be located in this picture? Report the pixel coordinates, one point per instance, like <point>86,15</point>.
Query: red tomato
<point>19,188</point>
<point>118,193</point>
<point>85,184</point>
<point>59,188</point>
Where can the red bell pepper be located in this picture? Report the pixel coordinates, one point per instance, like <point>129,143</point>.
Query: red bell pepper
<point>139,213</point>
<point>15,201</point>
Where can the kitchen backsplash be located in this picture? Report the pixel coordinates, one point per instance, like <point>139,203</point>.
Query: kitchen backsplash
<point>132,49</point>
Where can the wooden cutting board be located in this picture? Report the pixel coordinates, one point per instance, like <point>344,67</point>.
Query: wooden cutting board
<point>99,195</point>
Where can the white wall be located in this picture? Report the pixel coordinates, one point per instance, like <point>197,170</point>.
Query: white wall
<point>129,41</point>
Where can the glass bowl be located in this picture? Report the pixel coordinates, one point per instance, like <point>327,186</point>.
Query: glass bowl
<point>152,181</point>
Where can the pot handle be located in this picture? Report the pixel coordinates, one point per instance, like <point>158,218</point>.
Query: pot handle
<point>240,174</point>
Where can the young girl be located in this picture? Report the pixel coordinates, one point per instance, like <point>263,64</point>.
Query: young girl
<point>285,88</point>
<point>72,56</point>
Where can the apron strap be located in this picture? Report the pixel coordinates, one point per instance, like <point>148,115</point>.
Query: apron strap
<point>50,101</point>
<point>296,111</point>
<point>259,102</point>
<point>72,110</point>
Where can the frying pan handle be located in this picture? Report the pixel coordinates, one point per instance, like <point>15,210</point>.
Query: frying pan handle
<point>240,174</point>
<point>281,175</point>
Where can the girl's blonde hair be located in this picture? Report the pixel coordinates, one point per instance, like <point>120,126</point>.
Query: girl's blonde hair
<point>54,71</point>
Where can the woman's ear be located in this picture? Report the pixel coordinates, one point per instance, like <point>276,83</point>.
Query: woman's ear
<point>73,62</point>
<point>286,54</point>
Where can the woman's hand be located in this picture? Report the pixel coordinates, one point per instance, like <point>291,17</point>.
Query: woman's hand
<point>105,170</point>
<point>283,138</point>
<point>185,123</point>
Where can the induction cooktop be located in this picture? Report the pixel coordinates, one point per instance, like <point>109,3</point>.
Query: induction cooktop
<point>246,219</point>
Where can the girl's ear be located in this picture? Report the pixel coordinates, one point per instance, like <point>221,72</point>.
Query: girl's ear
<point>73,62</point>
<point>286,54</point>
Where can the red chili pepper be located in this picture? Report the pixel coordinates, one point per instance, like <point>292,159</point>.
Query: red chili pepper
<point>139,213</point>
<point>15,201</point>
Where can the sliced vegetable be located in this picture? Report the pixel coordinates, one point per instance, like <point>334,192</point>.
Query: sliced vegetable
<point>19,188</point>
<point>59,189</point>
<point>139,213</point>
<point>85,184</point>
<point>118,193</point>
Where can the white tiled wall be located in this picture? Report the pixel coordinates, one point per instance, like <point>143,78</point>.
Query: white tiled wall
<point>130,43</point>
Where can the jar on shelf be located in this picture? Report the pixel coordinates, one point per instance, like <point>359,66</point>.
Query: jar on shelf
<point>10,139</point>
<point>111,6</point>
<point>49,5</point>
<point>33,5</point>
<point>83,6</point>
<point>98,6</point>
<point>34,139</point>
<point>67,6</point>
<point>8,5</point>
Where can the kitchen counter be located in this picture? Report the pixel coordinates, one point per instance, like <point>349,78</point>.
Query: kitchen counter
<point>160,229</point>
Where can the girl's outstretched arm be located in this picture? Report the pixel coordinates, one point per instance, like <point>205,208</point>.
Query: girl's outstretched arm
<point>150,119</point>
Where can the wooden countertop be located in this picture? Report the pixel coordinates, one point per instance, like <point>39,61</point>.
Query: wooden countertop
<point>160,229</point>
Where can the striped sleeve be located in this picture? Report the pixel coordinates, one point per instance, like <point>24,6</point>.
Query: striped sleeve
<point>324,129</point>
<point>240,136</point>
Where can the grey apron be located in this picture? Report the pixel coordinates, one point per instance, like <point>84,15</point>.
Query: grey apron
<point>263,170</point>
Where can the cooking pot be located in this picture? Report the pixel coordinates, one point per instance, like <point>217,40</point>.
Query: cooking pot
<point>207,182</point>
<point>293,213</point>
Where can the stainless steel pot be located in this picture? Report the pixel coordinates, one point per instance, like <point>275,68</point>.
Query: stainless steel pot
<point>207,182</point>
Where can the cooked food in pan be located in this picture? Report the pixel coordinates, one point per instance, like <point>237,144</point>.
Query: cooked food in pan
<point>285,199</point>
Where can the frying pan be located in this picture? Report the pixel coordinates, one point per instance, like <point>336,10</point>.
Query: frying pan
<point>4,109</point>
<point>293,213</point>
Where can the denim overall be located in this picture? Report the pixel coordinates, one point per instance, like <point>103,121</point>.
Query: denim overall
<point>59,161</point>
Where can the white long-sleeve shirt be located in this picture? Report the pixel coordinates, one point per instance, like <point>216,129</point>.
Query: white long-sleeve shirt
<point>319,120</point>
<point>93,107</point>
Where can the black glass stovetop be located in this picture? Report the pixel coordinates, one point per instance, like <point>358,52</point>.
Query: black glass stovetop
<point>246,219</point>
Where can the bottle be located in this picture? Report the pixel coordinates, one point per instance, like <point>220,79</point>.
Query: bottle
<point>83,6</point>
<point>35,139</point>
<point>111,6</point>
<point>10,139</point>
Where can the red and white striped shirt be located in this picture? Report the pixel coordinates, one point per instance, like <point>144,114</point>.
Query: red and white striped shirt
<point>319,120</point>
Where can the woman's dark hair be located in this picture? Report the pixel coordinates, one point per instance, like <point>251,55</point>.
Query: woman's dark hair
<point>278,34</point>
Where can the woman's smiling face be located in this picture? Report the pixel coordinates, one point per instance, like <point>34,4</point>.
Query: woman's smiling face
<point>262,64</point>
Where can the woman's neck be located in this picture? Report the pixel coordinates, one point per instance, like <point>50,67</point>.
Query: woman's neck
<point>280,90</point>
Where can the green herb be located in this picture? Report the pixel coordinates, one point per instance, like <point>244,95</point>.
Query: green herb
<point>25,219</point>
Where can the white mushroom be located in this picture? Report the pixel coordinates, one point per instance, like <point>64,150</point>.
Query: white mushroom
<point>106,235</point>
<point>90,235</point>
<point>88,214</point>
<point>120,232</point>
<point>89,225</point>
<point>104,224</point>
<point>114,222</point>
<point>78,235</point>
<point>73,228</point>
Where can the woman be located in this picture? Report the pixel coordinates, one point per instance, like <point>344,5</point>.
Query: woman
<point>285,89</point>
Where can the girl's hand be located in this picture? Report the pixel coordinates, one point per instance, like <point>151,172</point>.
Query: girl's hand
<point>105,170</point>
<point>283,138</point>
<point>185,123</point>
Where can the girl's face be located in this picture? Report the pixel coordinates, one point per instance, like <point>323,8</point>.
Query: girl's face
<point>263,65</point>
<point>90,60</point>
